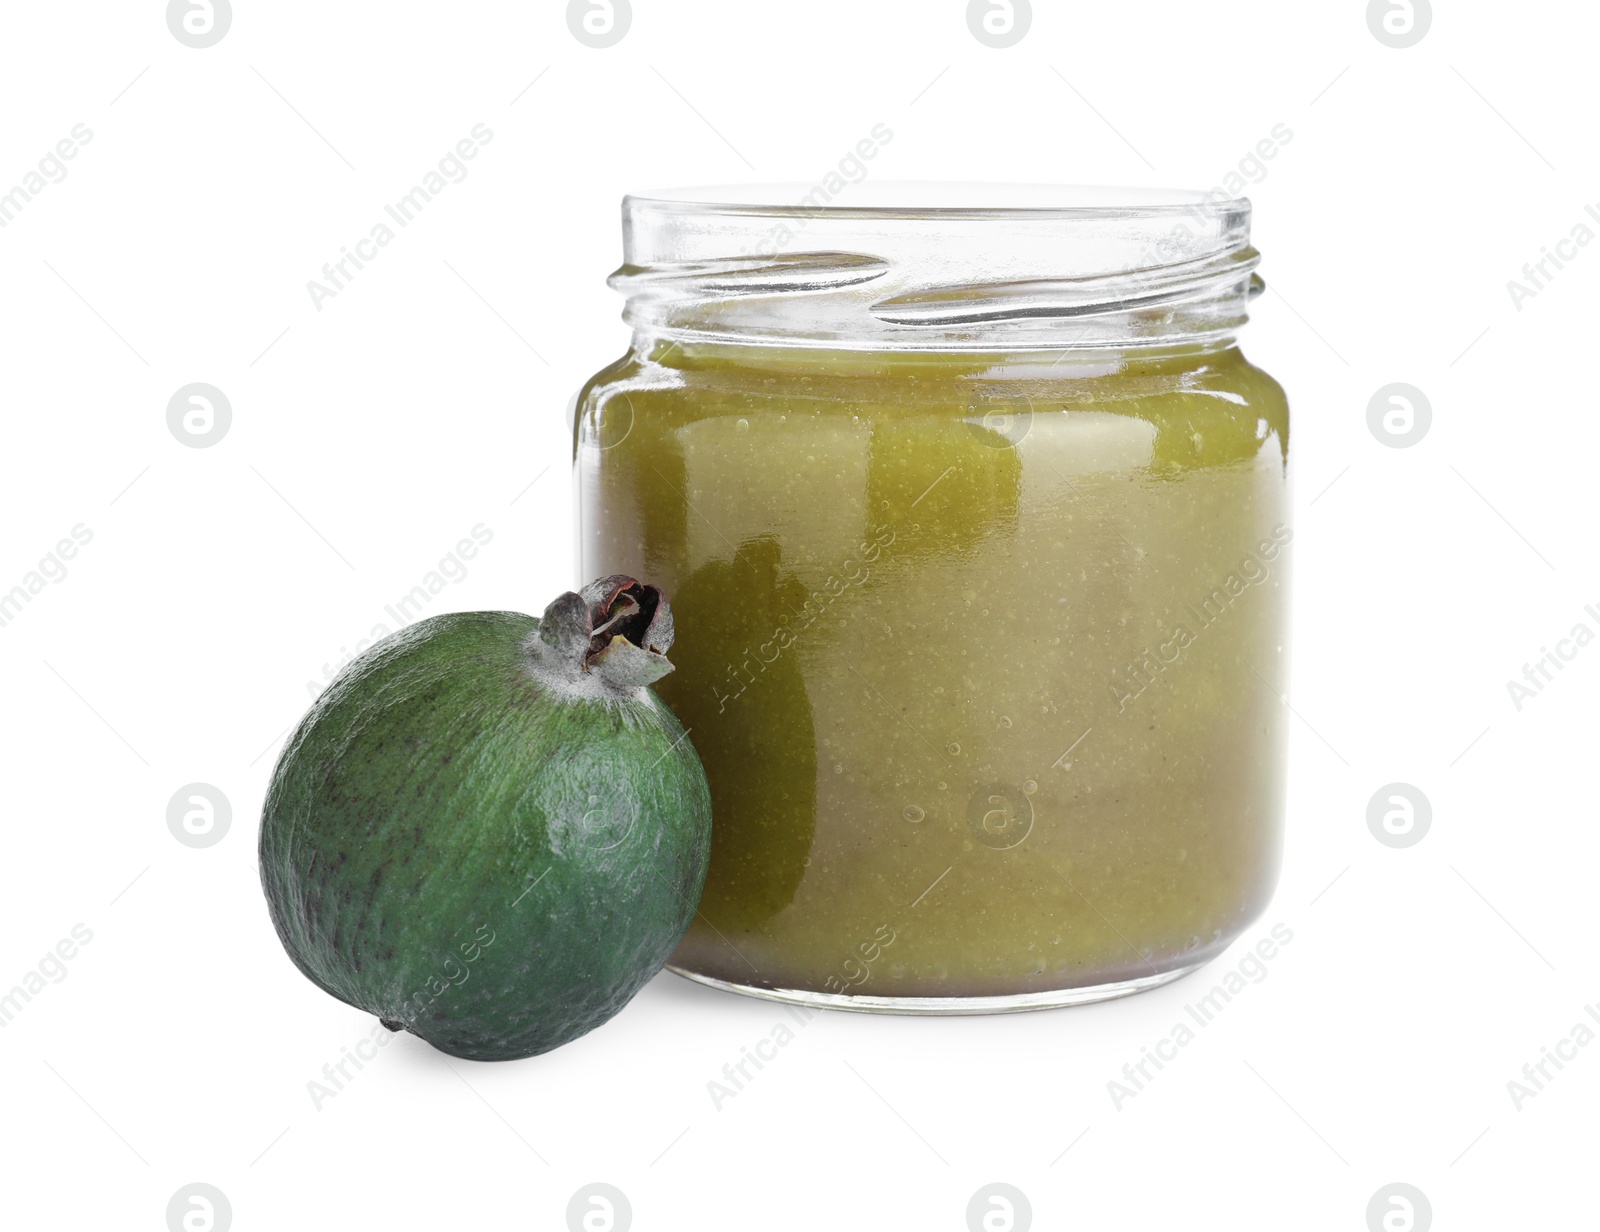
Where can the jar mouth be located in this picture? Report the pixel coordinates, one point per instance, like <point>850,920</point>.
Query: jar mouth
<point>887,266</point>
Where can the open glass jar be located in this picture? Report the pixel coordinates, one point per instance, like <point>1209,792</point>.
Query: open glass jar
<point>974,522</point>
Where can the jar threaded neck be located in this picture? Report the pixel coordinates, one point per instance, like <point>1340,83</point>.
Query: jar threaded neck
<point>1040,268</point>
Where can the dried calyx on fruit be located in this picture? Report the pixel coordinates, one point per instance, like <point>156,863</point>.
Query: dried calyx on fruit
<point>611,636</point>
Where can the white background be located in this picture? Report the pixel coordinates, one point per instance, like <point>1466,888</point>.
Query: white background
<point>369,436</point>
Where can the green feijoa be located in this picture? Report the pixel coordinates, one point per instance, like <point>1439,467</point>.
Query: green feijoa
<point>488,830</point>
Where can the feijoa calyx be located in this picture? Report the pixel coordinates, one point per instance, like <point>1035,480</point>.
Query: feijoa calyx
<point>488,830</point>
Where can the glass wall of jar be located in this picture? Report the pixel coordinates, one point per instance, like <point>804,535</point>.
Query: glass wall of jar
<point>974,519</point>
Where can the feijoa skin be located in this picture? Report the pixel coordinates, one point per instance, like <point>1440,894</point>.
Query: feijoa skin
<point>488,830</point>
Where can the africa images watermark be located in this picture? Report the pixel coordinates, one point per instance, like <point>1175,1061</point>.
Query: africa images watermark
<point>1251,969</point>
<point>1536,1075</point>
<point>1537,275</point>
<point>52,967</point>
<point>336,1075</point>
<point>451,169</point>
<point>1254,570</point>
<point>1543,670</point>
<point>736,1074</point>
<point>816,603</point>
<point>451,568</point>
<point>51,169</point>
<point>50,569</point>
<point>443,980</point>
<point>1179,243</point>
<point>850,169</point>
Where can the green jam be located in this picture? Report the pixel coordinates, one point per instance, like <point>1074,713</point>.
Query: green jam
<point>982,653</point>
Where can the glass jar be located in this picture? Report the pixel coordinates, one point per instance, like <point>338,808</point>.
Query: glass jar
<point>974,519</point>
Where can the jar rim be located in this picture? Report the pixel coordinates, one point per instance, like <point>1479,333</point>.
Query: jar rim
<point>935,199</point>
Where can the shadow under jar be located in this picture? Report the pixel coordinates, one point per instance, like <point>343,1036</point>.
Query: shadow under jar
<point>974,521</point>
